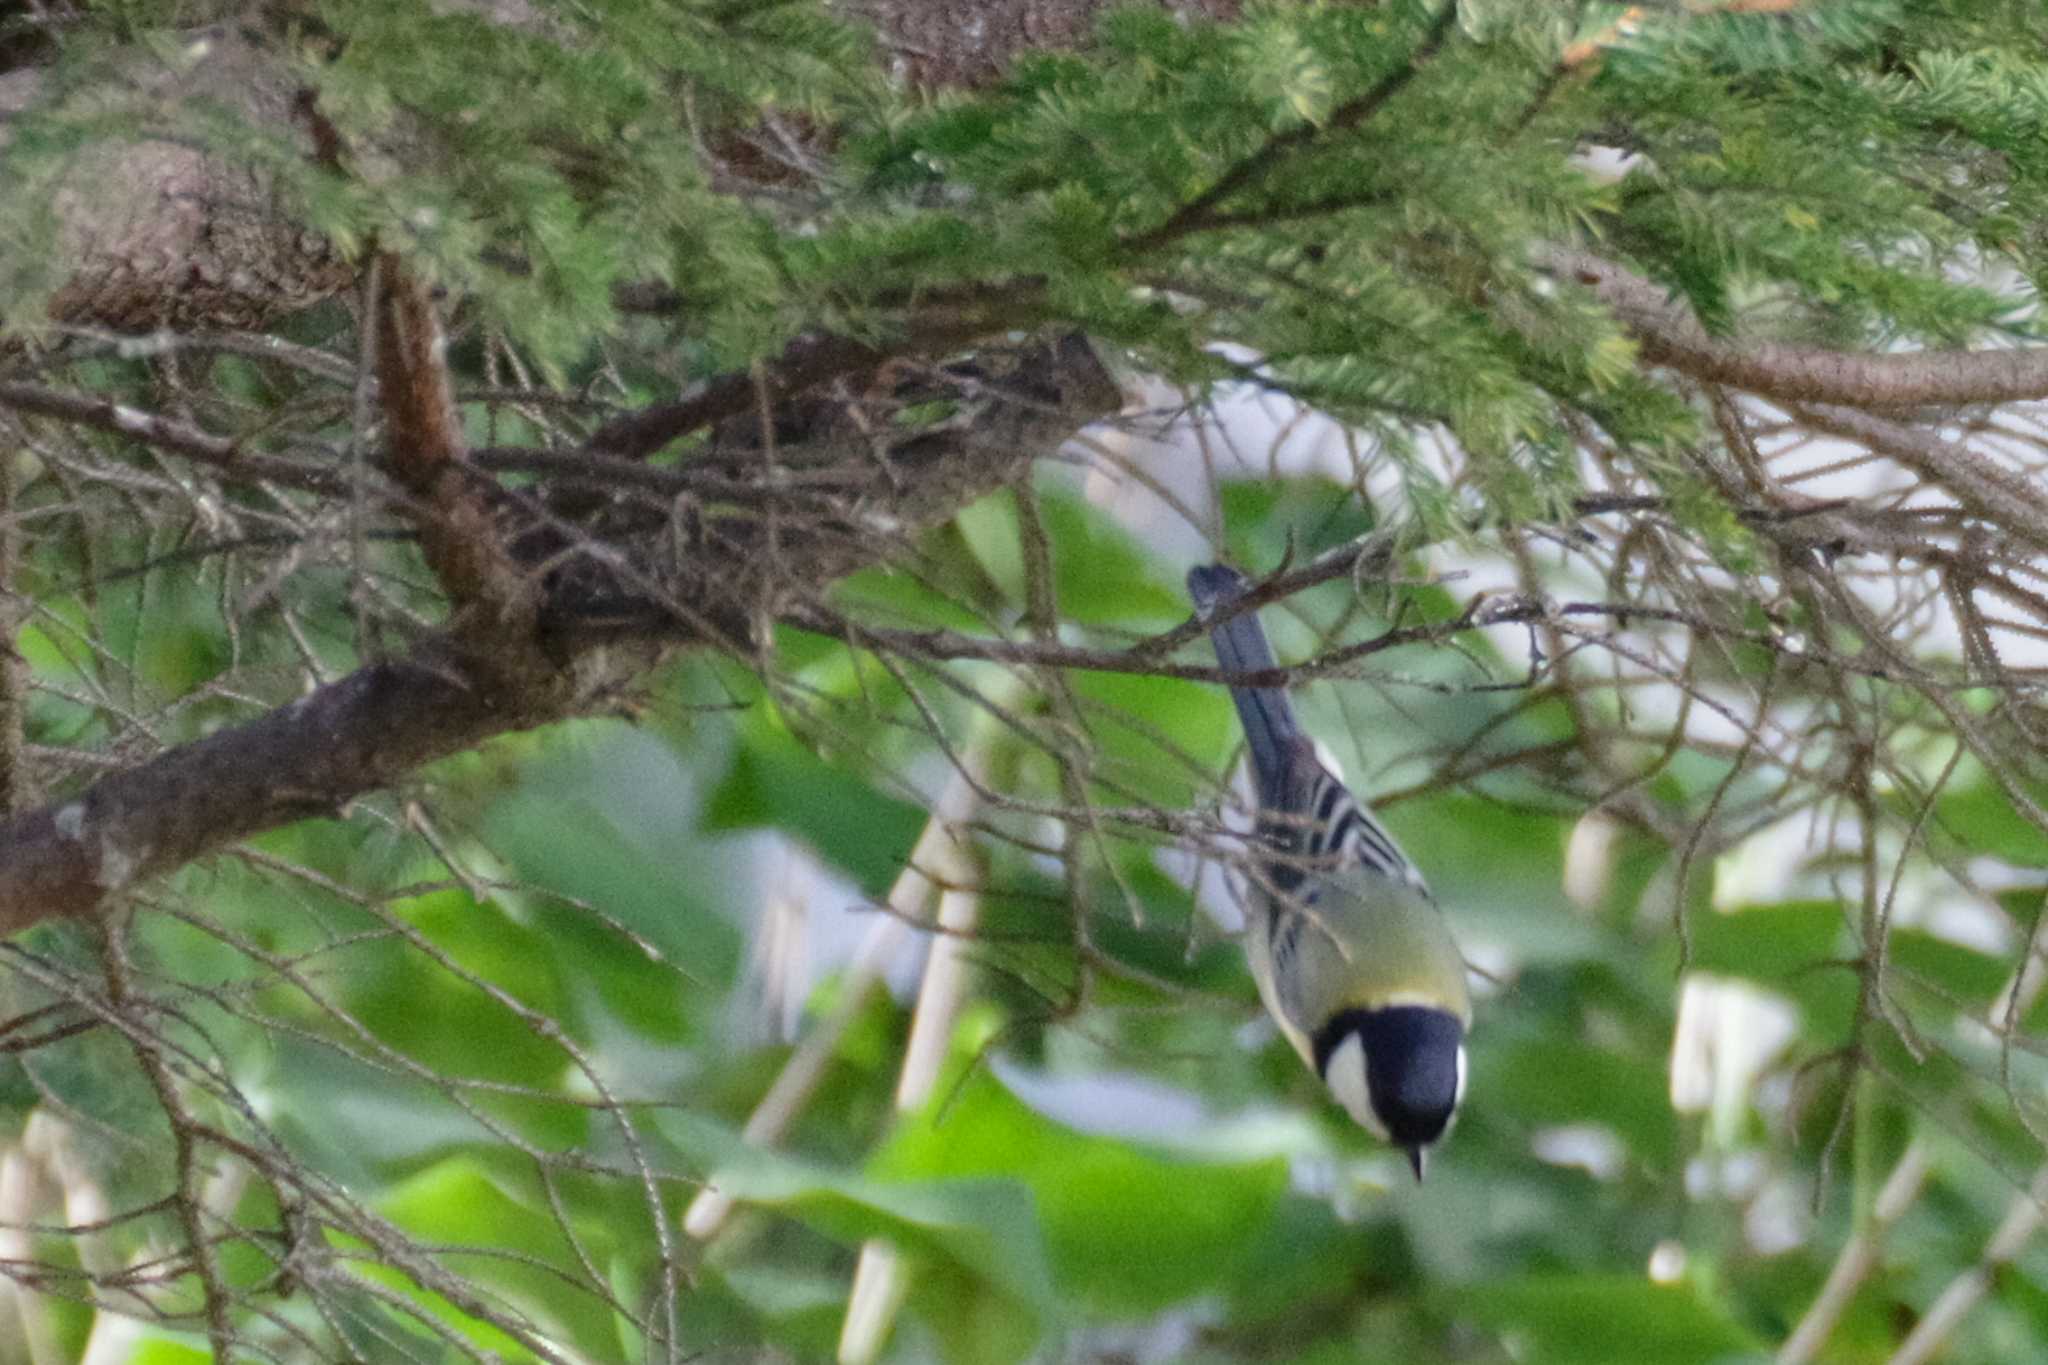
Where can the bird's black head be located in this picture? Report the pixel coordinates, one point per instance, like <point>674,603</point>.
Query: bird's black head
<point>1400,1070</point>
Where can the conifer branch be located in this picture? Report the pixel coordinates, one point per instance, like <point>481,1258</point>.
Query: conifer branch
<point>1142,658</point>
<point>1200,212</point>
<point>2002,497</point>
<point>1670,335</point>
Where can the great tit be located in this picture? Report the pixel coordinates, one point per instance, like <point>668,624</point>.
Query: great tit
<point>1351,954</point>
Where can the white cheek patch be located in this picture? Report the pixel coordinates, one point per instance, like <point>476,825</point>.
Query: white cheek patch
<point>1458,1096</point>
<point>1345,1075</point>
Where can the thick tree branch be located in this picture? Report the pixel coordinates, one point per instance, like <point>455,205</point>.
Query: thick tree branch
<point>807,361</point>
<point>372,728</point>
<point>942,321</point>
<point>306,759</point>
<point>14,609</point>
<point>1670,335</point>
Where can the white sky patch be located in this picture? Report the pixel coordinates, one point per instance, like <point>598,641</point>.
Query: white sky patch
<point>1589,859</point>
<point>1728,1032</point>
<point>1779,1219</point>
<point>1591,1147</point>
<point>1139,1108</point>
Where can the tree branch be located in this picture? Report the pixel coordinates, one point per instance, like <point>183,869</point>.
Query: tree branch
<point>369,730</point>
<point>943,320</point>
<point>2006,499</point>
<point>306,759</point>
<point>1143,659</point>
<point>1670,335</point>
<point>14,610</point>
<point>806,361</point>
<point>221,453</point>
<point>1198,212</point>
<point>496,601</point>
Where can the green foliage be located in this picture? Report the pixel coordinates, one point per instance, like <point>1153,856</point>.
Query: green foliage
<point>1121,1238</point>
<point>1585,1319</point>
<point>776,781</point>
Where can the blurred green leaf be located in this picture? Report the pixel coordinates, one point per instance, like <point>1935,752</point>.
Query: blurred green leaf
<point>1098,1199</point>
<point>944,593</point>
<point>1157,739</point>
<point>1463,844</point>
<point>1266,519</point>
<point>986,1228</point>
<point>1103,576</point>
<point>158,1349</point>
<point>1605,1320</point>
<point>1768,943</point>
<point>988,528</point>
<point>1967,978</point>
<point>1798,948</point>
<point>1974,814</point>
<point>1550,1080</point>
<point>775,781</point>
<point>607,819</point>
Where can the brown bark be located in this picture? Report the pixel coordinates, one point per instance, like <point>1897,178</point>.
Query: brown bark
<point>1670,335</point>
<point>495,601</point>
<point>307,759</point>
<point>370,729</point>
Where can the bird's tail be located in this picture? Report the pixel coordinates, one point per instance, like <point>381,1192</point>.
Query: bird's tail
<point>1270,728</point>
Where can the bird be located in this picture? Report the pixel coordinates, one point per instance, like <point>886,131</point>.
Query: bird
<point>1352,956</point>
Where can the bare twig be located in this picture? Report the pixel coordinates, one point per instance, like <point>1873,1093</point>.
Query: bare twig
<point>14,778</point>
<point>1904,1184</point>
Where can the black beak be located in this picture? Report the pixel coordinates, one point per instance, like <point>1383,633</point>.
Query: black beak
<point>1418,1157</point>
